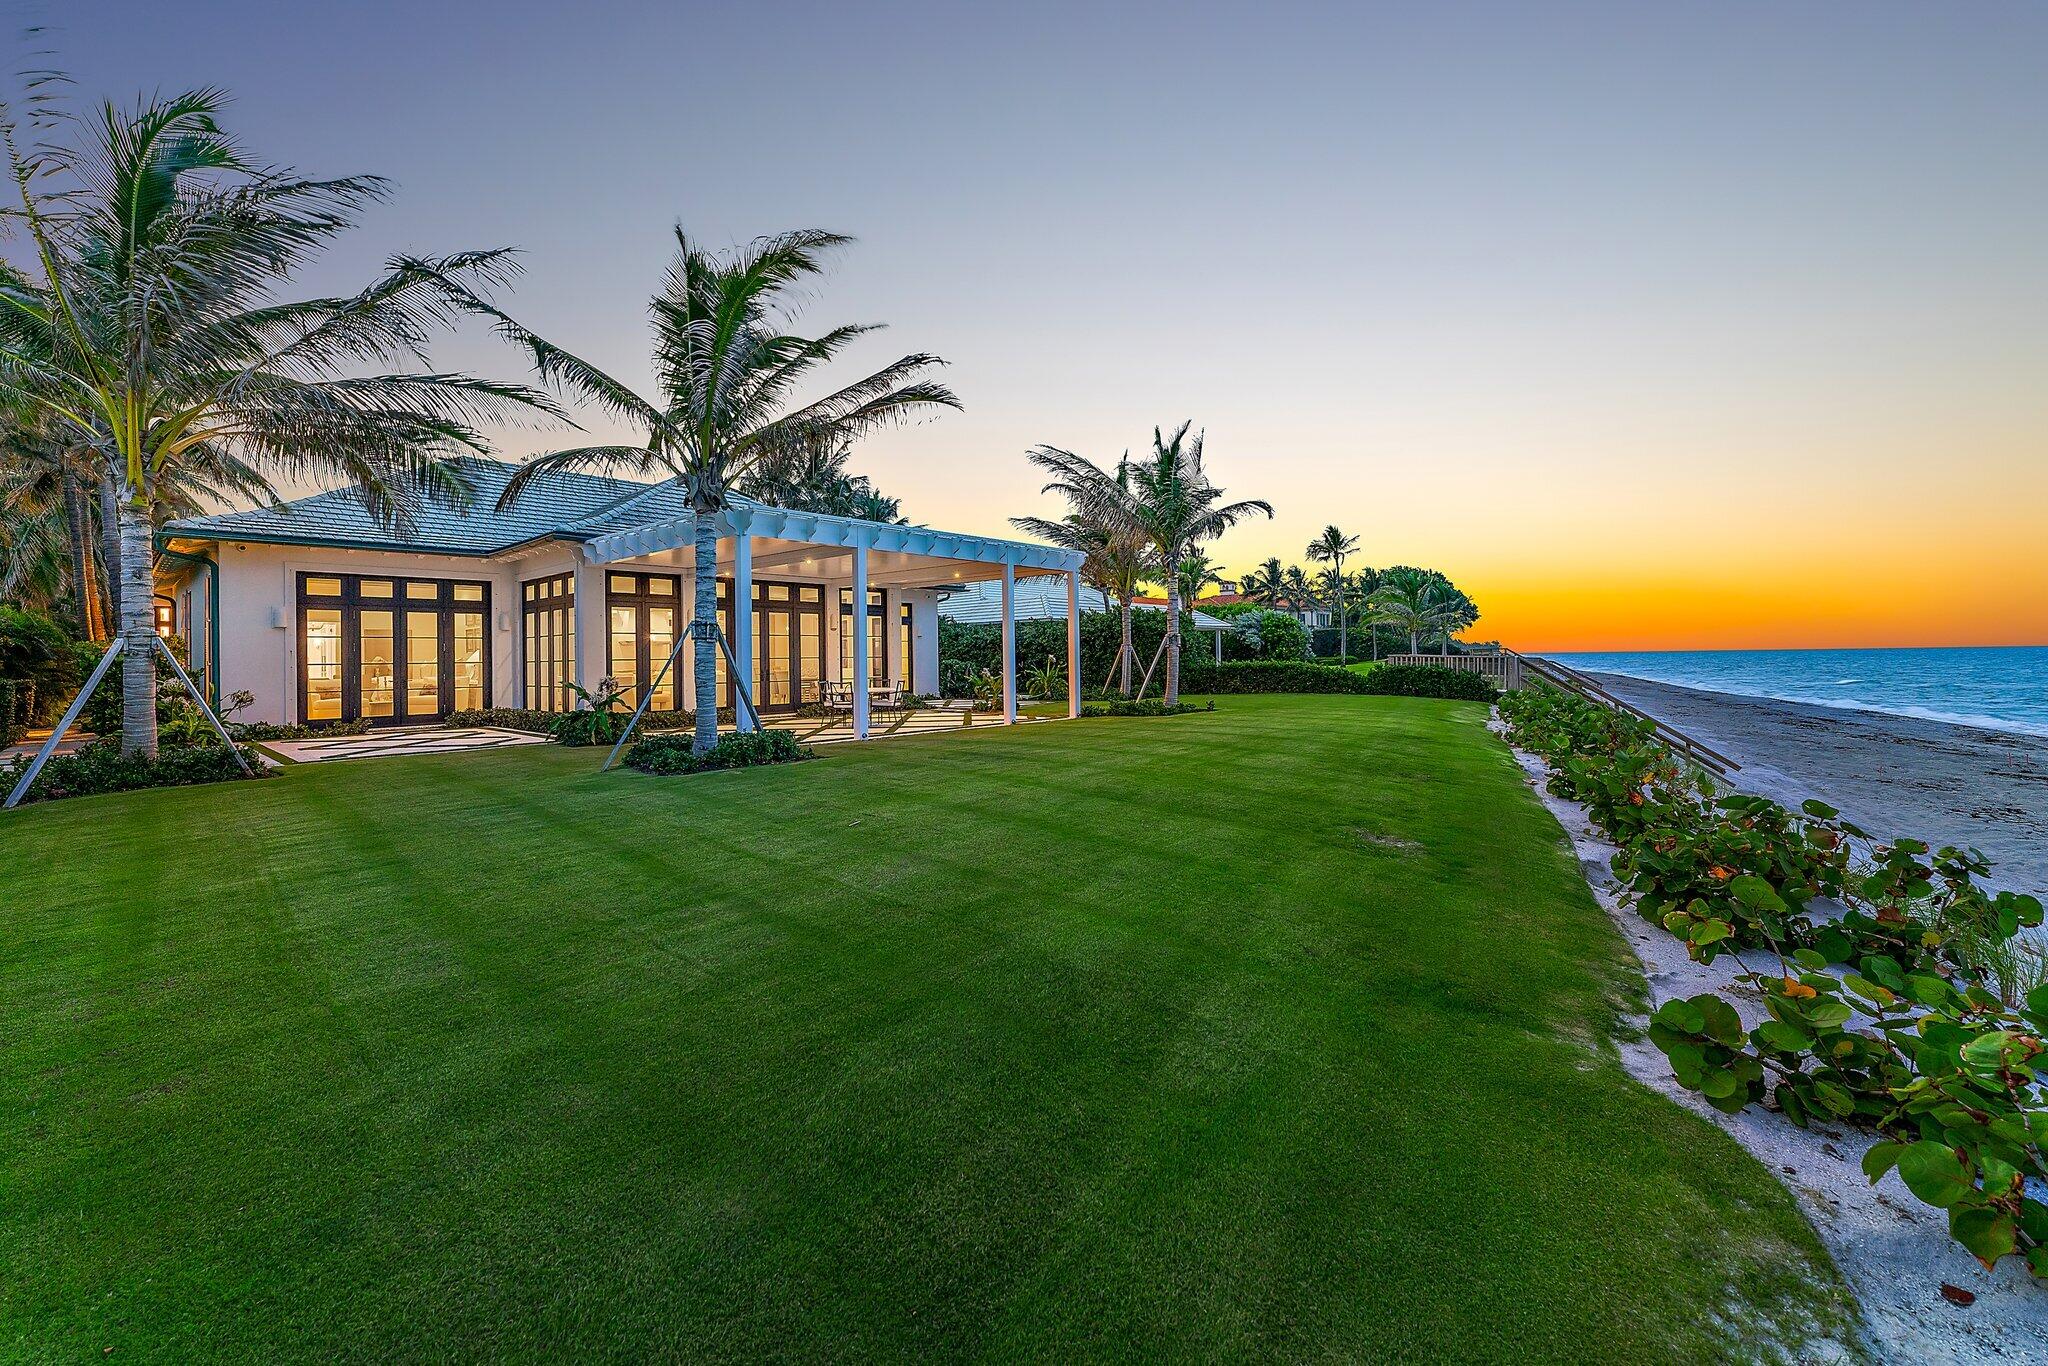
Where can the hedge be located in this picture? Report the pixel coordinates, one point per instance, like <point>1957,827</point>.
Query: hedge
<point>1428,680</point>
<point>1266,675</point>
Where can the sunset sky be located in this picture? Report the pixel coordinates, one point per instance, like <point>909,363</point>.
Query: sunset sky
<point>1653,325</point>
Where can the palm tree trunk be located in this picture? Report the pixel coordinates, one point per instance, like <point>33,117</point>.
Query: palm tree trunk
<point>1414,642</point>
<point>138,624</point>
<point>1124,649</point>
<point>1343,636</point>
<point>78,544</point>
<point>1173,636</point>
<point>704,649</point>
<point>110,544</point>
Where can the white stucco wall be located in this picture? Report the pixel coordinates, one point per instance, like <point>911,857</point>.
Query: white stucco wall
<point>259,628</point>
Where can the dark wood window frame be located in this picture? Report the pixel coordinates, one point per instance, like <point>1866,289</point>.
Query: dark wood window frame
<point>351,603</point>
<point>538,598</point>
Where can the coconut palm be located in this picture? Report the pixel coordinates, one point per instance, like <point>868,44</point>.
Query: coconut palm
<point>1170,501</point>
<point>147,331</point>
<point>1197,572</point>
<point>816,479</point>
<point>1333,547</point>
<point>1266,583</point>
<point>1297,592</point>
<point>1418,601</point>
<point>728,374</point>
<point>1116,564</point>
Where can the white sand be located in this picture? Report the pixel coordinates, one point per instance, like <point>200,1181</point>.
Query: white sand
<point>1895,1251</point>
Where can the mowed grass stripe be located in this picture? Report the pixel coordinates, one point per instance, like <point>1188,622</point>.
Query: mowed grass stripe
<point>1269,1031</point>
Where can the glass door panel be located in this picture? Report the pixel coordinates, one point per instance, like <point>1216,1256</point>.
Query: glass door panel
<point>661,638</point>
<point>422,664</point>
<point>323,664</point>
<point>469,661</point>
<point>781,686</point>
<point>377,674</point>
<point>625,668</point>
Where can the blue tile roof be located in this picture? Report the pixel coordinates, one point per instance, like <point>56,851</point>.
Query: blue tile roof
<point>553,504</point>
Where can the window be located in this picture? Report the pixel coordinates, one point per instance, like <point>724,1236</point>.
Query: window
<point>878,665</point>
<point>640,610</point>
<point>391,650</point>
<point>166,617</point>
<point>548,614</point>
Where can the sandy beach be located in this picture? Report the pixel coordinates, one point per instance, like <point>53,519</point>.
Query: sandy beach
<point>1893,775</point>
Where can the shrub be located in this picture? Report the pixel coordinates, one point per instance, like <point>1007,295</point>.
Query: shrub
<point>1884,1017</point>
<point>99,768</point>
<point>1428,680</point>
<point>261,731</point>
<point>13,708</point>
<point>1269,635</point>
<point>741,749</point>
<point>505,718</point>
<point>37,650</point>
<point>1150,706</point>
<point>1267,676</point>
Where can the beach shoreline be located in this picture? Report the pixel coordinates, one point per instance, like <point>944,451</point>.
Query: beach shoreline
<point>1895,775</point>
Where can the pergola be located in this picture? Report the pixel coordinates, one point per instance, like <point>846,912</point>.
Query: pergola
<point>756,536</point>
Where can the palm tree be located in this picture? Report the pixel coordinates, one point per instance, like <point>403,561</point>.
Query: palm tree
<point>1115,563</point>
<point>1197,572</point>
<point>728,373</point>
<point>1332,548</point>
<point>815,479</point>
<point>147,332</point>
<point>1266,583</point>
<point>1408,600</point>
<point>1170,502</point>
<point>1298,592</point>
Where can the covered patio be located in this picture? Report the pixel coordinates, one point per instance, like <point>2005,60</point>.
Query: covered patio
<point>771,560</point>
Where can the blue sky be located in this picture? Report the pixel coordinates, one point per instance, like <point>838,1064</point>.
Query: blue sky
<point>1628,316</point>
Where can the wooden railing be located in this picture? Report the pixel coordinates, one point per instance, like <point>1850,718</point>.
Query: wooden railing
<point>1510,671</point>
<point>1571,680</point>
<point>1505,668</point>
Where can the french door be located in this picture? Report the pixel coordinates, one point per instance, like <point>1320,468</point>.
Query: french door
<point>789,644</point>
<point>391,651</point>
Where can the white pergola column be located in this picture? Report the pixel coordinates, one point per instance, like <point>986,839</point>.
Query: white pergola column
<point>593,644</point>
<point>1073,643</point>
<point>743,624</point>
<point>859,626</point>
<point>1216,639</point>
<point>1009,644</point>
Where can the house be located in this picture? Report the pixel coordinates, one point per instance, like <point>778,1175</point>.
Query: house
<point>327,615</point>
<point>1315,618</point>
<point>1036,599</point>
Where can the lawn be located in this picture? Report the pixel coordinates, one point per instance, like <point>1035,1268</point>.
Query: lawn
<point>1275,1031</point>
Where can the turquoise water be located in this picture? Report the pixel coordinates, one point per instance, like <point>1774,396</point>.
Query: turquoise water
<point>2001,688</point>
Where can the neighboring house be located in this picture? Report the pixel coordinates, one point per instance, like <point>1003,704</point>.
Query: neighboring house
<point>327,616</point>
<point>1315,618</point>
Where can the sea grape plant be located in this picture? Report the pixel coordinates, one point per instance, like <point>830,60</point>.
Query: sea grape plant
<point>1869,967</point>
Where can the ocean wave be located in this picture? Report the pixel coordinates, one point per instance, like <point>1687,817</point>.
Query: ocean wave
<point>1977,720</point>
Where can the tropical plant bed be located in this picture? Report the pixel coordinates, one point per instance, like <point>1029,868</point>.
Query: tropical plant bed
<point>1889,1007</point>
<point>98,768</point>
<point>1921,1295</point>
<point>928,1049</point>
<point>1145,707</point>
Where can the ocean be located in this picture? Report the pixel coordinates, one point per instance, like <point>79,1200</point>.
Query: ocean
<point>1996,687</point>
